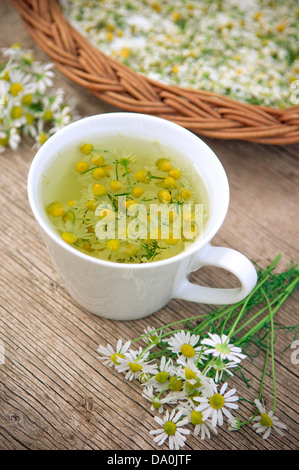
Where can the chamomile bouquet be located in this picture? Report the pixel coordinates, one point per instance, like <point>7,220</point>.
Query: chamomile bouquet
<point>29,103</point>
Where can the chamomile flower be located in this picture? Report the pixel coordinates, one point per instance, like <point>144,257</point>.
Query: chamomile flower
<point>135,363</point>
<point>152,336</point>
<point>26,105</point>
<point>215,405</point>
<point>44,76</point>
<point>20,83</point>
<point>233,424</point>
<point>165,371</point>
<point>194,379</point>
<point>152,38</point>
<point>15,113</point>
<point>126,158</point>
<point>266,422</point>
<point>9,138</point>
<point>158,402</point>
<point>185,344</point>
<point>53,102</point>
<point>110,356</point>
<point>61,118</point>
<point>14,138</point>
<point>220,367</point>
<point>15,51</point>
<point>196,419</point>
<point>221,347</point>
<point>171,429</point>
<point>3,141</point>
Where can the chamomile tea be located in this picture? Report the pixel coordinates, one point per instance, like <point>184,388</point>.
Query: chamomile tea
<point>125,199</point>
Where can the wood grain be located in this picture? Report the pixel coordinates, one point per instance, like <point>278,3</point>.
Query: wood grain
<point>55,394</point>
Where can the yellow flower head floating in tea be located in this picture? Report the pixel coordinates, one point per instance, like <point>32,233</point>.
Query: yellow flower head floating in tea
<point>126,200</point>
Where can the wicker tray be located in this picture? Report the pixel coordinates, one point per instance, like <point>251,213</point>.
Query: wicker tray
<point>204,113</point>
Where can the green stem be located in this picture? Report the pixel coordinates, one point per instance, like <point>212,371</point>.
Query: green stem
<point>169,326</point>
<point>279,300</point>
<point>89,169</point>
<point>258,286</point>
<point>116,170</point>
<point>264,370</point>
<point>127,173</point>
<point>272,350</point>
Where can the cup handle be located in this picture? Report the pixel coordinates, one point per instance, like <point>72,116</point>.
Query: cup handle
<point>225,258</point>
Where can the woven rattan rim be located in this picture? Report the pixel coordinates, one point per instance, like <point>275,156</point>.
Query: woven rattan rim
<point>205,113</point>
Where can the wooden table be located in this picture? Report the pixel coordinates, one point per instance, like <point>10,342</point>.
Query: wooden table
<point>55,393</point>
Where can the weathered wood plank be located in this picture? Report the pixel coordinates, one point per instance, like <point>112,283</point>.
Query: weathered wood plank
<point>54,391</point>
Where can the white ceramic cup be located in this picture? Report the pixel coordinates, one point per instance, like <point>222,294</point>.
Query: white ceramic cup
<point>130,291</point>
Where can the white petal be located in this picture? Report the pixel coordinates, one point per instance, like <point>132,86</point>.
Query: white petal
<point>233,406</point>
<point>208,341</point>
<point>279,431</point>
<point>267,433</point>
<point>223,388</point>
<point>227,413</point>
<point>259,406</point>
<point>156,431</point>
<point>220,417</point>
<point>214,418</point>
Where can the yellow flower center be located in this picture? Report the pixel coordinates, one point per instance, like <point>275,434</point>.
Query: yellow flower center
<point>114,358</point>
<point>113,245</point>
<point>5,76</point>
<point>189,374</point>
<point>42,138</point>
<point>98,173</point>
<point>48,115</point>
<point>69,237</point>
<point>135,367</point>
<point>137,192</point>
<point>266,421</point>
<point>176,385</point>
<point>170,428</point>
<point>27,99</point>
<point>81,166</point>
<point>99,190</point>
<point>29,118</point>
<point>162,377</point>
<point>4,141</point>
<point>97,160</point>
<point>91,205</point>
<point>16,112</point>
<point>196,417</point>
<point>86,149</point>
<point>29,57</point>
<point>55,209</point>
<point>169,182</point>
<point>15,88</point>
<point>163,164</point>
<point>114,185</point>
<point>156,404</point>
<point>217,401</point>
<point>141,175</point>
<point>187,350</point>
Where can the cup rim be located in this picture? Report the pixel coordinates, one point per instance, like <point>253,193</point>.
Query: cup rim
<point>191,250</point>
